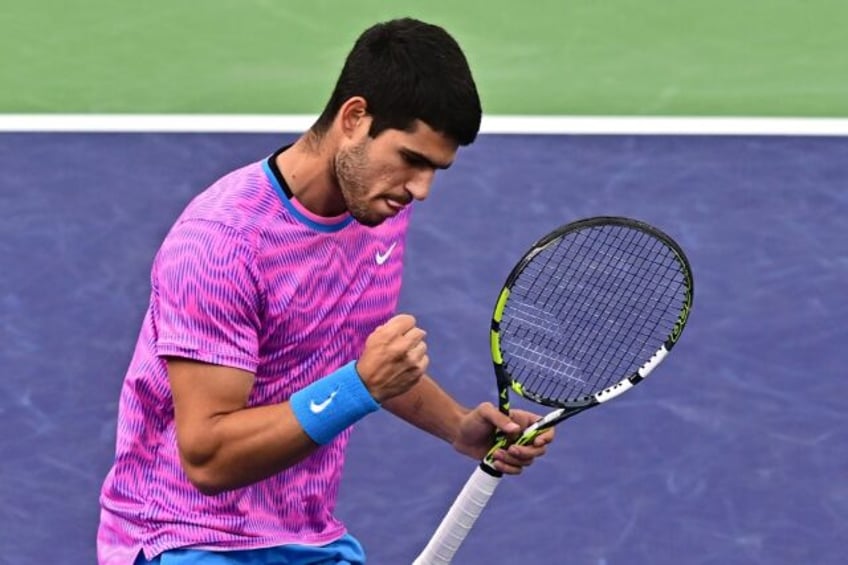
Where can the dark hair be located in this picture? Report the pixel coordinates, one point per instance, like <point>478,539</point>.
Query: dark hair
<point>408,70</point>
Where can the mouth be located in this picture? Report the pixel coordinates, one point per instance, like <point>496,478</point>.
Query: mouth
<point>395,205</point>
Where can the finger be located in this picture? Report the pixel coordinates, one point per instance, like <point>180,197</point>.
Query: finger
<point>418,351</point>
<point>509,465</point>
<point>419,370</point>
<point>512,462</point>
<point>544,438</point>
<point>503,423</point>
<point>498,419</point>
<point>399,325</point>
<point>507,469</point>
<point>413,336</point>
<point>523,454</point>
<point>407,345</point>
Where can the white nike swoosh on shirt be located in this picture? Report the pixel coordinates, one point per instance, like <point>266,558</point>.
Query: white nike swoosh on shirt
<point>318,407</point>
<point>381,258</point>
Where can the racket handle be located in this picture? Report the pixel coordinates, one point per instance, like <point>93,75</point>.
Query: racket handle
<point>460,519</point>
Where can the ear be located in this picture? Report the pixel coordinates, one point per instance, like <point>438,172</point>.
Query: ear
<point>353,115</point>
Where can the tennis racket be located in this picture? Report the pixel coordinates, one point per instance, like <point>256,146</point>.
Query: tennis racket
<point>589,311</point>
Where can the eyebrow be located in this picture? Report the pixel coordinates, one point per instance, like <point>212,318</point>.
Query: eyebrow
<point>415,155</point>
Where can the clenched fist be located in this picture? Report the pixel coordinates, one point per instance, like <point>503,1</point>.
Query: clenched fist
<point>395,358</point>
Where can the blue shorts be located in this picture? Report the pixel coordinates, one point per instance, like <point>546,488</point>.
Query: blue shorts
<point>344,551</point>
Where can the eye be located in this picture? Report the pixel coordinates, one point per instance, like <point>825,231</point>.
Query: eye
<point>414,160</point>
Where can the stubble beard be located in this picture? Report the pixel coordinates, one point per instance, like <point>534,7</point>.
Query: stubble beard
<point>350,169</point>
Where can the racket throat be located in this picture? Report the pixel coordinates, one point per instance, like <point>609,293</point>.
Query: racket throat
<point>527,437</point>
<point>539,426</point>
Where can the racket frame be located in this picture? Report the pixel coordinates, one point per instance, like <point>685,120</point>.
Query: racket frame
<point>481,485</point>
<point>565,410</point>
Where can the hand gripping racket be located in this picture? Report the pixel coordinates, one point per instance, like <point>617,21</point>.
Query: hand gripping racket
<point>589,311</point>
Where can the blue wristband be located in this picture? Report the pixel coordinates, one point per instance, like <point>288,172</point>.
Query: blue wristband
<point>332,404</point>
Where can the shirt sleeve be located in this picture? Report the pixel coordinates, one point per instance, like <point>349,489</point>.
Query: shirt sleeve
<point>207,298</point>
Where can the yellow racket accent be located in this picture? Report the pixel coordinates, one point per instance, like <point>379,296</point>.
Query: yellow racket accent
<point>500,442</point>
<point>528,437</point>
<point>499,307</point>
<point>495,341</point>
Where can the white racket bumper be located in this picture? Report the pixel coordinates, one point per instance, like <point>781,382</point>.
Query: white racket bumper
<point>627,384</point>
<point>652,363</point>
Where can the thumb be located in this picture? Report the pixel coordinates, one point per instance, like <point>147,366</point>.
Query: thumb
<point>498,419</point>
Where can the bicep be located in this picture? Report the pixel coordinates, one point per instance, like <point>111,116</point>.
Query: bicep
<point>202,394</point>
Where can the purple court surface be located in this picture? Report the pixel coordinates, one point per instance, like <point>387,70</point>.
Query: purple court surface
<point>734,452</point>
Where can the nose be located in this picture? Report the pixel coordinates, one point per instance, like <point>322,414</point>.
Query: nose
<point>419,185</point>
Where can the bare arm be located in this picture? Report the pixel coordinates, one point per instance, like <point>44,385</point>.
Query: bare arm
<point>470,431</point>
<point>428,407</point>
<point>224,445</point>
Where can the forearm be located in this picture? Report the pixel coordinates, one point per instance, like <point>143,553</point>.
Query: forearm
<point>225,445</point>
<point>428,407</point>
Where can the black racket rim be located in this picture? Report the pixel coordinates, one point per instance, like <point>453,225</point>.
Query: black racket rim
<point>504,379</point>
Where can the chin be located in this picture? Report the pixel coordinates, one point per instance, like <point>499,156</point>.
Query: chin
<point>369,220</point>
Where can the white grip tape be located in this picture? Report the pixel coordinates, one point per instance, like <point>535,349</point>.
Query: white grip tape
<point>459,520</point>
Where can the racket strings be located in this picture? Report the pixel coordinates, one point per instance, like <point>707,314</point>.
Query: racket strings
<point>650,297</point>
<point>635,314</point>
<point>589,309</point>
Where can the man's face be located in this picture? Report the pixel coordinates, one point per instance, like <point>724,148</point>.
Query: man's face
<point>379,176</point>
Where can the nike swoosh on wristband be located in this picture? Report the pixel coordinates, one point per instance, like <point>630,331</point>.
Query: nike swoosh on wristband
<point>382,258</point>
<point>318,407</point>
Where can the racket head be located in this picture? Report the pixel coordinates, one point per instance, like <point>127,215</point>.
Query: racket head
<point>589,311</point>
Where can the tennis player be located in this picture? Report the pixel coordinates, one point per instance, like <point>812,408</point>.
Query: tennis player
<point>271,327</point>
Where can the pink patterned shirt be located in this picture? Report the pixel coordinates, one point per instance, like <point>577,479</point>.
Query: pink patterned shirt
<point>246,278</point>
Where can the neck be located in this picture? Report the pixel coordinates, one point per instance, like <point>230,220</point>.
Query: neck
<point>307,167</point>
